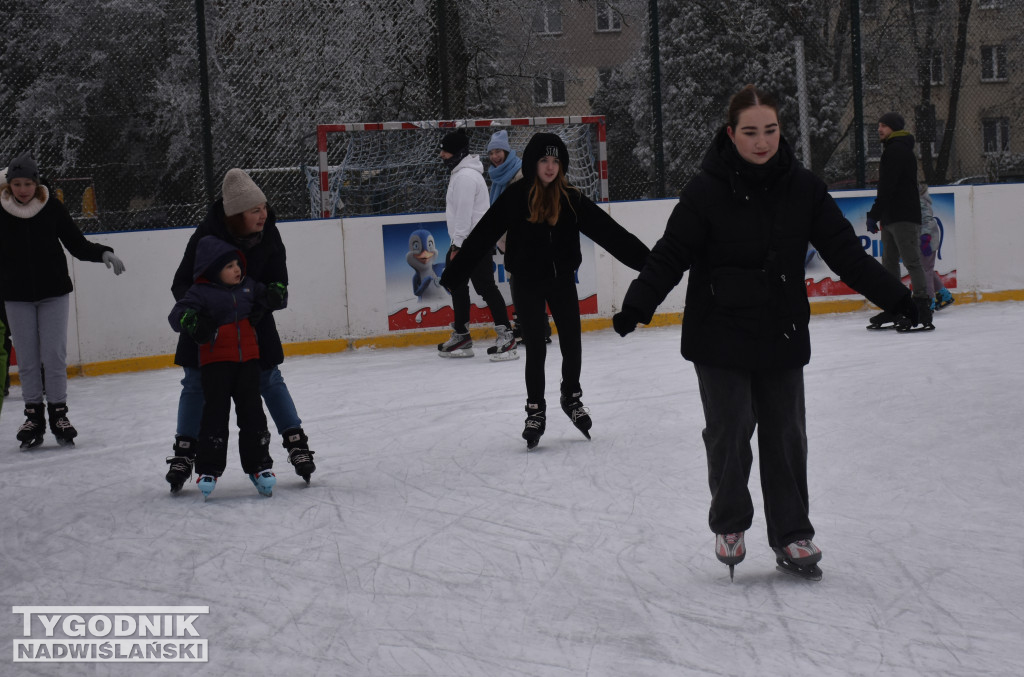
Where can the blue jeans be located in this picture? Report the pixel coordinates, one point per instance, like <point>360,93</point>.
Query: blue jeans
<point>272,388</point>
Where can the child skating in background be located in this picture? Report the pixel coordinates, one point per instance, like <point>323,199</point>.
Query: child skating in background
<point>218,312</point>
<point>929,251</point>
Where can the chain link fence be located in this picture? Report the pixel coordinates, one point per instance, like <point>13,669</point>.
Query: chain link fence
<point>135,110</point>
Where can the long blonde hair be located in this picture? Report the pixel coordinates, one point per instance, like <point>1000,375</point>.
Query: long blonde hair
<point>546,201</point>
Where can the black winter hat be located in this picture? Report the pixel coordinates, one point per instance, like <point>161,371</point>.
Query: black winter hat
<point>893,121</point>
<point>455,142</point>
<point>543,144</point>
<point>23,167</point>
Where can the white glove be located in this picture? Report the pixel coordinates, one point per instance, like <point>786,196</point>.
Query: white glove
<point>113,262</point>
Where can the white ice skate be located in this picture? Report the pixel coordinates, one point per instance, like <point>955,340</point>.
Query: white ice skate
<point>457,345</point>
<point>504,348</point>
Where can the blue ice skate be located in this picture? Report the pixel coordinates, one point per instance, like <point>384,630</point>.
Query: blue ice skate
<point>206,484</point>
<point>264,481</point>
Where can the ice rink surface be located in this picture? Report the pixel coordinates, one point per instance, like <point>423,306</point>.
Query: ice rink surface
<point>431,543</point>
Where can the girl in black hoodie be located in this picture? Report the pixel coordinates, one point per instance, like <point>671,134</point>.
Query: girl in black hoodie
<point>741,228</point>
<point>544,216</point>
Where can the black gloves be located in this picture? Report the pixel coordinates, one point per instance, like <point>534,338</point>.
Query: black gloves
<point>275,296</point>
<point>201,328</point>
<point>872,225</point>
<point>625,320</point>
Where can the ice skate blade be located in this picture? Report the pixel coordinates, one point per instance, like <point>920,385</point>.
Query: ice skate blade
<point>809,573</point>
<point>920,327</point>
<point>65,443</point>
<point>881,327</point>
<point>532,444</point>
<point>454,354</point>
<point>175,488</point>
<point>504,357</point>
<point>732,572</point>
<point>32,443</point>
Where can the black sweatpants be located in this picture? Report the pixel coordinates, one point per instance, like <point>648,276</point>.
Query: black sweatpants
<point>559,295</point>
<point>735,402</point>
<point>482,277</point>
<point>222,383</point>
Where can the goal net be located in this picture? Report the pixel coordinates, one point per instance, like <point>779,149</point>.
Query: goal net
<point>373,168</point>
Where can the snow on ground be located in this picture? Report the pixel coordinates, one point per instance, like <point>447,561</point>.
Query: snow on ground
<point>431,543</point>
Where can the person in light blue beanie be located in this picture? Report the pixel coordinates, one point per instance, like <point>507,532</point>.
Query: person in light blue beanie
<point>506,166</point>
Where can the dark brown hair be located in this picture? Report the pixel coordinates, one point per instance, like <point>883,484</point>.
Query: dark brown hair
<point>748,97</point>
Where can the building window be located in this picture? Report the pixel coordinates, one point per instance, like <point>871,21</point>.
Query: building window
<point>940,130</point>
<point>549,89</point>
<point>872,144</point>
<point>935,68</point>
<point>996,134</point>
<point>608,18</point>
<point>993,63</point>
<point>547,20</point>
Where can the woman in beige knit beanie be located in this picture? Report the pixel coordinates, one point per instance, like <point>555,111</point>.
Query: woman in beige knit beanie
<point>245,205</point>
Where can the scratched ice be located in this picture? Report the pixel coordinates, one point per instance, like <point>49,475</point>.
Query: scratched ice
<point>431,543</point>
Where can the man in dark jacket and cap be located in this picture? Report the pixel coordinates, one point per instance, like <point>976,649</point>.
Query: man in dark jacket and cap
<point>897,213</point>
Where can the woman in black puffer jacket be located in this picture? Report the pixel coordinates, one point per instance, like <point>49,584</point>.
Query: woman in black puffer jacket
<point>544,216</point>
<point>741,228</point>
<point>35,228</point>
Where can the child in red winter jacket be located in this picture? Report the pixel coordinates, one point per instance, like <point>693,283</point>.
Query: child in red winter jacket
<point>215,313</point>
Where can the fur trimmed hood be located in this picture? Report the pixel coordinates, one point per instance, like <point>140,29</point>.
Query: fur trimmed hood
<point>15,208</point>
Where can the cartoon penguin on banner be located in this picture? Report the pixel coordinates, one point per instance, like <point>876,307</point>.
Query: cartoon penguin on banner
<point>421,258</point>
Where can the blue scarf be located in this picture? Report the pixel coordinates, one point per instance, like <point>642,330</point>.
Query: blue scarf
<point>503,173</point>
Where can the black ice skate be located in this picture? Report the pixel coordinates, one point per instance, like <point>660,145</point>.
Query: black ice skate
<point>883,320</point>
<point>799,558</point>
<point>535,423</point>
<point>924,314</point>
<point>30,434</point>
<point>181,463</point>
<point>577,413</point>
<point>299,454</point>
<point>60,426</point>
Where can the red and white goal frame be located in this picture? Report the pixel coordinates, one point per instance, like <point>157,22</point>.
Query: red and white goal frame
<point>323,131</point>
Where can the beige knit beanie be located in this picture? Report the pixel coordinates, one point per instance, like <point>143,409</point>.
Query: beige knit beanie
<point>240,192</point>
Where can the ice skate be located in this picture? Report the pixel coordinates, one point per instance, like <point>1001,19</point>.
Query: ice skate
<point>942,299</point>
<point>924,317</point>
<point>181,463</point>
<point>60,426</point>
<point>535,423</point>
<point>577,413</point>
<point>883,320</point>
<point>457,345</point>
<point>504,348</point>
<point>729,549</point>
<point>299,454</point>
<point>799,558</point>
<point>30,434</point>
<point>206,484</point>
<point>264,481</point>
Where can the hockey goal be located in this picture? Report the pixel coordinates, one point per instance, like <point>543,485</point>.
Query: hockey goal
<point>372,168</point>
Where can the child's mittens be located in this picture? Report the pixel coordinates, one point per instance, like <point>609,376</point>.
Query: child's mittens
<point>276,296</point>
<point>200,327</point>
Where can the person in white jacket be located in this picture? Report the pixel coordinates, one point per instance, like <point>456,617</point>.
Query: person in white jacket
<point>466,201</point>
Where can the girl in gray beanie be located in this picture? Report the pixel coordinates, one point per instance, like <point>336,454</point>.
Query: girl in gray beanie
<point>36,288</point>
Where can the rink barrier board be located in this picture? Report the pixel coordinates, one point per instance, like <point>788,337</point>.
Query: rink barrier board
<point>426,338</point>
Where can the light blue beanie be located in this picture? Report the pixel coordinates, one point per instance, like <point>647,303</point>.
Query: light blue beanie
<point>499,141</point>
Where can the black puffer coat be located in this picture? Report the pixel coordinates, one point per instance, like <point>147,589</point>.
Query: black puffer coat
<point>743,232</point>
<point>898,198</point>
<point>32,262</point>
<point>265,263</point>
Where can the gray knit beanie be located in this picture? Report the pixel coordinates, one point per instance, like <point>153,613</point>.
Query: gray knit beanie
<point>240,193</point>
<point>23,167</point>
